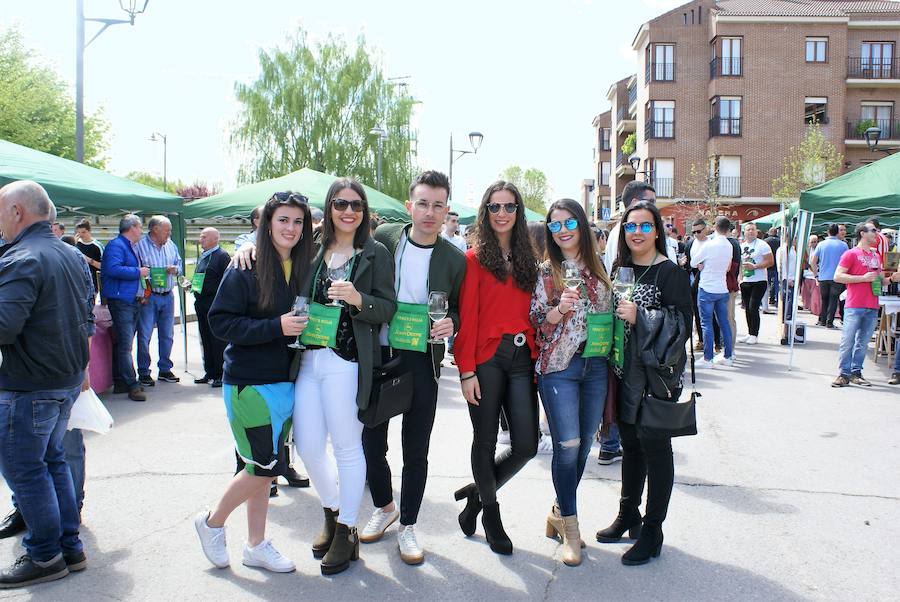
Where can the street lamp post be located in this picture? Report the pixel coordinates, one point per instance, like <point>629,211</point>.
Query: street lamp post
<point>129,6</point>
<point>381,137</point>
<point>635,162</point>
<point>475,140</point>
<point>157,137</point>
<point>873,135</point>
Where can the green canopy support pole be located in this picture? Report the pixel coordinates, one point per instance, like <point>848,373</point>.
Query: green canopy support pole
<point>181,292</point>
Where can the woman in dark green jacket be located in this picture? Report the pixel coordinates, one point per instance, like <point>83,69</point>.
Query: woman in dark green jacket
<point>335,377</point>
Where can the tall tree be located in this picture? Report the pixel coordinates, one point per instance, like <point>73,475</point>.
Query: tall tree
<point>532,184</point>
<point>154,181</point>
<point>814,161</point>
<point>36,109</point>
<point>313,105</point>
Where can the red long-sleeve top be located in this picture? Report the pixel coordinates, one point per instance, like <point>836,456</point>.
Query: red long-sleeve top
<point>488,309</point>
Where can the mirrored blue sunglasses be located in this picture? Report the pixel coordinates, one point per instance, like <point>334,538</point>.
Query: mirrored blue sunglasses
<point>555,227</point>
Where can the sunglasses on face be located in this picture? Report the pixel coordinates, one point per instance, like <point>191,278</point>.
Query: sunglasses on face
<point>571,224</point>
<point>342,204</point>
<point>495,207</point>
<point>697,231</point>
<point>870,230</point>
<point>631,227</point>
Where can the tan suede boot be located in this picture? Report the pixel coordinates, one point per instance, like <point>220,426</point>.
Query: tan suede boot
<point>571,554</point>
<point>555,525</point>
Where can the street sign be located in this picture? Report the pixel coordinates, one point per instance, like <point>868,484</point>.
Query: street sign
<point>604,213</point>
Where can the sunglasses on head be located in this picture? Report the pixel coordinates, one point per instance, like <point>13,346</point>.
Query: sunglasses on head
<point>284,197</point>
<point>342,204</point>
<point>571,224</point>
<point>495,207</point>
<point>631,227</point>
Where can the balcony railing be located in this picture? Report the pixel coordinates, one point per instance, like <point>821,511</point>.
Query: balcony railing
<point>856,130</point>
<point>660,72</point>
<point>663,187</point>
<point>632,95</point>
<point>726,67</point>
<point>730,186</point>
<point>620,115</point>
<point>724,126</point>
<point>659,129</point>
<point>872,68</point>
<point>622,160</point>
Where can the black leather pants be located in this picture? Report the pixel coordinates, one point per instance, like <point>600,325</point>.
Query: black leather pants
<point>506,381</point>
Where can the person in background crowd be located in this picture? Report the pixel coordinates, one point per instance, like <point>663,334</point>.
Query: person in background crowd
<point>895,377</point>
<point>608,435</point>
<point>374,222</point>
<point>823,262</point>
<point>601,236</point>
<point>713,260</point>
<point>317,217</point>
<point>756,258</point>
<point>881,245</point>
<point>538,233</point>
<point>571,368</point>
<point>335,379</point>
<point>858,268</point>
<point>495,351</point>
<point>252,311</point>
<point>250,236</point>
<point>634,192</point>
<point>424,261</point>
<point>842,232</point>
<point>774,241</point>
<point>91,249</point>
<point>58,229</point>
<point>157,251</point>
<point>208,274</point>
<point>661,291</point>
<point>121,276</point>
<point>698,239</point>
<point>46,320</point>
<point>451,231</point>
<point>672,245</point>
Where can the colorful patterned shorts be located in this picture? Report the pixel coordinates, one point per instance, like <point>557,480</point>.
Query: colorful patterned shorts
<point>260,418</point>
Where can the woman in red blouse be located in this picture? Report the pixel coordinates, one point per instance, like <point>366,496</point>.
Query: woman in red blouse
<point>495,353</point>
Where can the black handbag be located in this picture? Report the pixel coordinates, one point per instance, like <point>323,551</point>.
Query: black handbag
<point>661,418</point>
<point>392,391</point>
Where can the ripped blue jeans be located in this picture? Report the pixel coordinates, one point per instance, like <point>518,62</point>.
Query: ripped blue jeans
<point>573,400</point>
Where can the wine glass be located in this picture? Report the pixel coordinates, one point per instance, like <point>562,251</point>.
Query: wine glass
<point>338,271</point>
<point>184,283</point>
<point>571,274</point>
<point>437,309</point>
<point>301,310</point>
<point>624,283</point>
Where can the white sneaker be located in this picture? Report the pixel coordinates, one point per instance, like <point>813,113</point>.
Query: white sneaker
<point>545,444</point>
<point>743,339</point>
<point>380,521</point>
<point>265,556</point>
<point>213,541</point>
<point>704,363</point>
<point>503,437</point>
<point>725,361</point>
<point>751,340</point>
<point>410,552</point>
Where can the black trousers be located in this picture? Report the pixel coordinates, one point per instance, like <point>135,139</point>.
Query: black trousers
<point>506,381</point>
<point>415,439</point>
<point>213,348</point>
<point>647,460</point>
<point>830,292</point>
<point>752,296</point>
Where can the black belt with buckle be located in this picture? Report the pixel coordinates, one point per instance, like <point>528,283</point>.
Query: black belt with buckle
<point>165,293</point>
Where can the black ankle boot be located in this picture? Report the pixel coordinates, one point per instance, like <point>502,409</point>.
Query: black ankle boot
<point>648,546</point>
<point>294,478</point>
<point>468,518</point>
<point>493,529</point>
<point>323,541</point>
<point>629,519</point>
<point>344,548</point>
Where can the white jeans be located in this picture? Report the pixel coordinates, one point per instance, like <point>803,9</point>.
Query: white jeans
<point>325,405</point>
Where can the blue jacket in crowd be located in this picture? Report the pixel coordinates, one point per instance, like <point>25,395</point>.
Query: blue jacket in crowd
<point>120,272</point>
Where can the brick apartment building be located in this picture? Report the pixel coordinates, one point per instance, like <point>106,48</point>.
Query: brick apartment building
<point>728,86</point>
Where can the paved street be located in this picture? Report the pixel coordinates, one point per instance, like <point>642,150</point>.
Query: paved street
<point>791,491</point>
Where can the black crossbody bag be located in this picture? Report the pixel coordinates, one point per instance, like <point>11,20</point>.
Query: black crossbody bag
<point>392,391</point>
<point>661,418</point>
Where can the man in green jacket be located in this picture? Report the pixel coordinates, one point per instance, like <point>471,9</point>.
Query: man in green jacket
<point>424,262</point>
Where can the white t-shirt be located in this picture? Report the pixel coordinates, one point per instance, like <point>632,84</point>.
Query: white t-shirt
<point>411,263</point>
<point>715,254</point>
<point>758,250</point>
<point>612,248</point>
<point>457,240</point>
<point>786,272</point>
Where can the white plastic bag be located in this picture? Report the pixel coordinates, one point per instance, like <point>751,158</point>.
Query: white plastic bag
<point>89,413</point>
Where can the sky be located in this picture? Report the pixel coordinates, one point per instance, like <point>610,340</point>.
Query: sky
<point>530,75</point>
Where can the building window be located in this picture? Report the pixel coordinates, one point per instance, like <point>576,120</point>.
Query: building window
<point>660,61</point>
<point>729,181</point>
<point>876,114</point>
<point>725,117</point>
<point>604,139</point>
<point>816,50</point>
<point>604,173</point>
<point>660,119</point>
<point>663,171</point>
<point>815,110</point>
<point>877,58</point>
<point>731,57</point>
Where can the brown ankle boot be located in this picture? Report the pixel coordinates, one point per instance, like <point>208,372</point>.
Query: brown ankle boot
<point>344,548</point>
<point>556,527</point>
<point>323,542</point>
<point>571,554</point>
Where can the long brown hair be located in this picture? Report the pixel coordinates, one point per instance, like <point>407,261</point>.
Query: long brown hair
<point>587,245</point>
<point>487,247</point>
<point>268,263</point>
<point>624,253</point>
<point>362,231</point>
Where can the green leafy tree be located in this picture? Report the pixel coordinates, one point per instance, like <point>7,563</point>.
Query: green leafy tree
<point>814,161</point>
<point>532,184</point>
<point>699,193</point>
<point>36,109</point>
<point>629,145</point>
<point>313,105</point>
<point>154,181</point>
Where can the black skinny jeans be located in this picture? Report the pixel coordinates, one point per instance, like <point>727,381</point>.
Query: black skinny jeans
<point>752,296</point>
<point>650,460</point>
<point>415,438</point>
<point>830,292</point>
<point>213,348</point>
<point>506,381</point>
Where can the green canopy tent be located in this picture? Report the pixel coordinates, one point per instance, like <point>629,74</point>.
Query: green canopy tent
<point>308,182</point>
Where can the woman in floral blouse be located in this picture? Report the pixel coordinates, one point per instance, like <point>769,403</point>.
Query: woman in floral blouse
<point>571,312</point>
